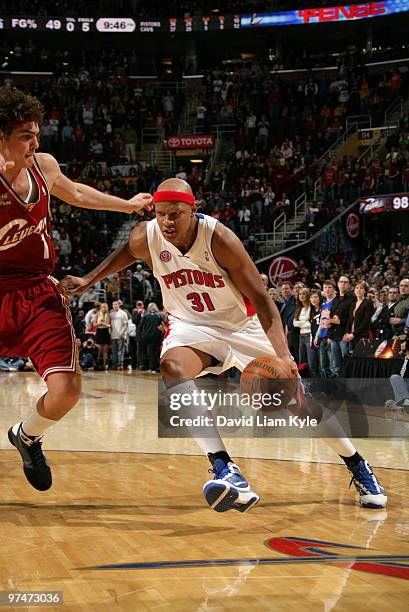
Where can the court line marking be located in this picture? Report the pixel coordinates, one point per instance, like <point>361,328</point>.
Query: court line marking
<point>104,452</point>
<point>390,560</point>
<point>185,577</point>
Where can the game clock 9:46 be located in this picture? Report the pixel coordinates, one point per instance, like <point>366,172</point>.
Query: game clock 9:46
<point>115,24</point>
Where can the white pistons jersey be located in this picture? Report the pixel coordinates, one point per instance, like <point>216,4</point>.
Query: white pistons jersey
<point>195,289</point>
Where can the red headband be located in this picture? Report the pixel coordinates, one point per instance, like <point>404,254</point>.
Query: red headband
<point>173,196</point>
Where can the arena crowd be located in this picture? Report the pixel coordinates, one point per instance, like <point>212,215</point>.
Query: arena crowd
<point>281,128</point>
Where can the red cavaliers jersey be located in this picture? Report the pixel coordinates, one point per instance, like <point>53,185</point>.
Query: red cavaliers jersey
<point>26,249</point>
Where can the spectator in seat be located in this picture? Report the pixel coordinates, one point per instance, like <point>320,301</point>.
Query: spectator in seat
<point>137,314</point>
<point>302,321</point>
<point>90,316</point>
<point>64,244</point>
<point>395,83</point>
<point>130,337</point>
<point>287,312</point>
<point>312,214</point>
<point>119,325</point>
<point>244,217</point>
<point>251,123</point>
<point>273,293</point>
<point>327,366</point>
<point>201,112</point>
<point>328,181</point>
<point>359,321</point>
<point>339,321</point>
<point>102,322</point>
<point>88,354</point>
<point>46,133</point>
<point>264,278</point>
<point>147,285</point>
<point>400,403</point>
<point>228,215</point>
<point>168,103</point>
<point>130,140</point>
<point>397,321</point>
<point>315,315</point>
<point>79,325</point>
<point>122,307</point>
<point>269,197</point>
<point>380,317</point>
<point>150,338</point>
<point>263,132</point>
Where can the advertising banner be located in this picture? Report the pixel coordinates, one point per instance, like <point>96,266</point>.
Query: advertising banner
<point>190,142</point>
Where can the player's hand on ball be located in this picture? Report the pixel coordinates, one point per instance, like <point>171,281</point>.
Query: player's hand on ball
<point>73,285</point>
<point>139,202</point>
<point>290,364</point>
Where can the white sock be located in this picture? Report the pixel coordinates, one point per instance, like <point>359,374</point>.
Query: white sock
<point>35,425</point>
<point>212,444</point>
<point>330,426</point>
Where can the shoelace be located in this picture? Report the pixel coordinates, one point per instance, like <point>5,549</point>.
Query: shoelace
<point>37,456</point>
<point>363,477</point>
<point>222,474</point>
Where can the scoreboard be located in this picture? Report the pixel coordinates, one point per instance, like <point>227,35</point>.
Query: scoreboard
<point>375,136</point>
<point>121,24</point>
<point>213,22</point>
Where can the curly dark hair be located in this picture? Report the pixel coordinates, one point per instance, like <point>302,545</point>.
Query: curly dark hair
<point>17,107</point>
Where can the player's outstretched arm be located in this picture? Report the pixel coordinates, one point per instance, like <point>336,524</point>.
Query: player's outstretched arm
<point>232,256</point>
<point>85,196</point>
<point>123,257</point>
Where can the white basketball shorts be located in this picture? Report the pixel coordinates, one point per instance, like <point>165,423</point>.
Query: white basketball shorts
<point>233,349</point>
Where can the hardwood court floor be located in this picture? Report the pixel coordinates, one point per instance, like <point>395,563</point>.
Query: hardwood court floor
<point>120,496</point>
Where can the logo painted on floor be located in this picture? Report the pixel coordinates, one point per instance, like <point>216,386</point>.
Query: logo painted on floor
<point>302,551</point>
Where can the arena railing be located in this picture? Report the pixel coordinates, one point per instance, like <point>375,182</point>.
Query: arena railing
<point>285,228</point>
<point>351,128</point>
<point>172,86</point>
<point>163,159</point>
<point>188,117</point>
<point>392,117</point>
<point>150,135</point>
<point>219,129</point>
<point>359,121</point>
<point>266,245</point>
<point>214,158</point>
<point>311,238</point>
<point>128,289</point>
<point>395,108</point>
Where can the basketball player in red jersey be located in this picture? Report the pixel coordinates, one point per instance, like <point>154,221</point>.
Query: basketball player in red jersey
<point>213,292</point>
<point>35,320</point>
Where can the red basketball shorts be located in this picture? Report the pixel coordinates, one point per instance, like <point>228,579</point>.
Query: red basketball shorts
<point>36,322</point>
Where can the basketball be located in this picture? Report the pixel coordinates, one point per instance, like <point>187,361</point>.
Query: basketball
<point>272,376</point>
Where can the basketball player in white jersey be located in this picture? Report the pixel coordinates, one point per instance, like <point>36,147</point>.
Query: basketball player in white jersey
<point>220,316</point>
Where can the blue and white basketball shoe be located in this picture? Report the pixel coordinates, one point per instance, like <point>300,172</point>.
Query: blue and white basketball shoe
<point>229,490</point>
<point>371,493</point>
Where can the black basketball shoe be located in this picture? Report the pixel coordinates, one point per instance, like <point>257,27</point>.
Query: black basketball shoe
<point>35,465</point>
